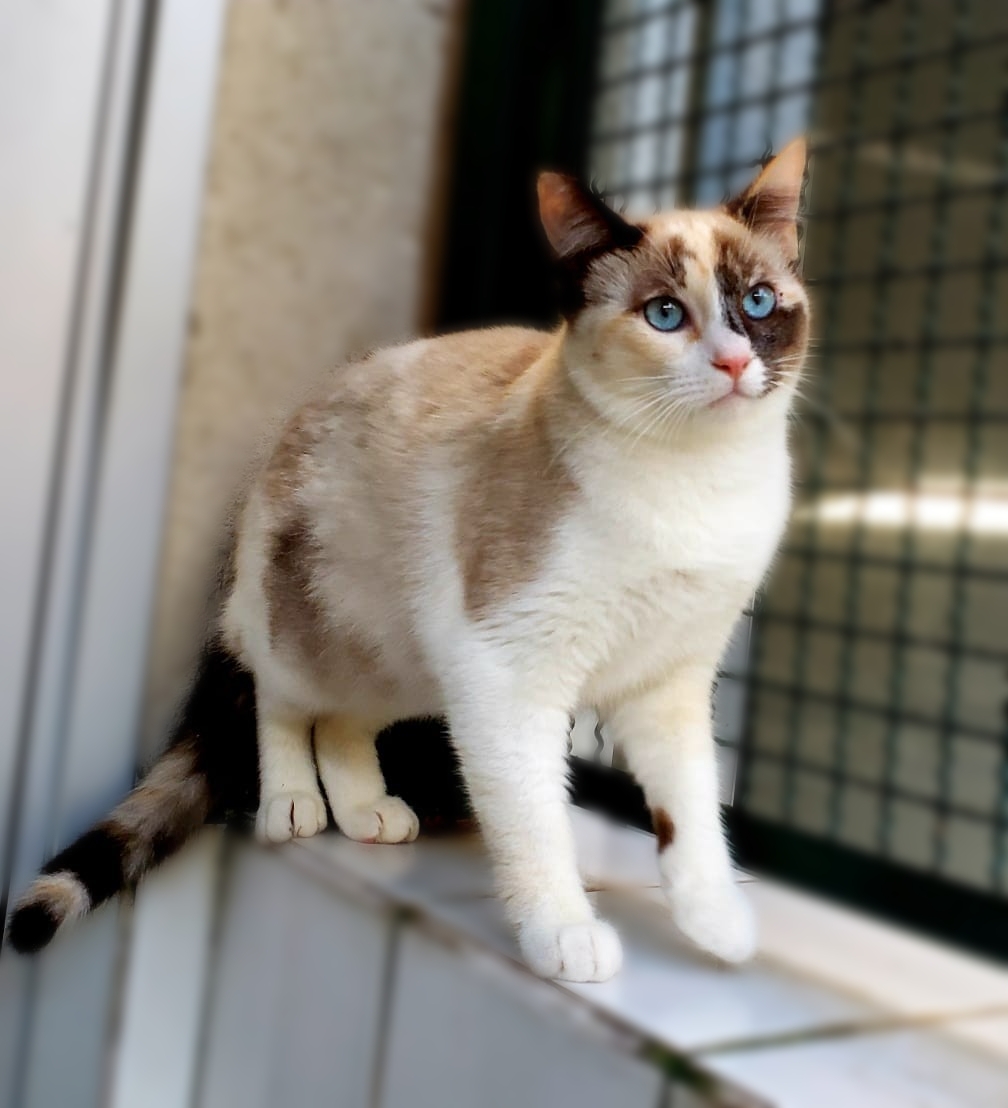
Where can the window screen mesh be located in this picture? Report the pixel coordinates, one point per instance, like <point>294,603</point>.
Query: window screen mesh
<point>871,704</point>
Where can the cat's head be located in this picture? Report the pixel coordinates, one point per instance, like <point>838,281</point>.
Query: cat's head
<point>688,315</point>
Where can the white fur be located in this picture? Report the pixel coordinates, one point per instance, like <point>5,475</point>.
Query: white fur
<point>640,593</point>
<point>290,804</point>
<point>630,611</point>
<point>352,778</point>
<point>61,892</point>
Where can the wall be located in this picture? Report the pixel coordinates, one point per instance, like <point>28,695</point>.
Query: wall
<point>319,239</point>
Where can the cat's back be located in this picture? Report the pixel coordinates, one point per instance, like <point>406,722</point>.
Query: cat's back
<point>438,387</point>
<point>382,414</point>
<point>329,536</point>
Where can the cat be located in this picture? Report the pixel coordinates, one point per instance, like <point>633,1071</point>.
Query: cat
<point>499,526</point>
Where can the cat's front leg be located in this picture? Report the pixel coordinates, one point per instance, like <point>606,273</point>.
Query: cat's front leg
<point>513,754</point>
<point>667,739</point>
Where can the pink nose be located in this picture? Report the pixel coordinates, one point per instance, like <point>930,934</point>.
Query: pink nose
<point>732,362</point>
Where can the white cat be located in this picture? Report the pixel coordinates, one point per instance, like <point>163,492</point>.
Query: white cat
<point>500,526</point>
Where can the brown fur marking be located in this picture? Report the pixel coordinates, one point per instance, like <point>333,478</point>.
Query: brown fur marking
<point>144,818</point>
<point>296,443</point>
<point>297,619</point>
<point>659,269</point>
<point>511,504</point>
<point>779,337</point>
<point>292,607</point>
<point>581,228</point>
<point>664,829</point>
<point>652,268</point>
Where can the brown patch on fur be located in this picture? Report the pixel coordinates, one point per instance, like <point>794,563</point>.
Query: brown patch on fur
<point>518,491</point>
<point>664,829</point>
<point>577,222</point>
<point>497,373</point>
<point>780,337</point>
<point>516,364</point>
<point>297,441</point>
<point>659,269</point>
<point>581,228</point>
<point>297,618</point>
<point>471,379</point>
<point>144,821</point>
<point>292,607</point>
<point>736,263</point>
<point>348,648</point>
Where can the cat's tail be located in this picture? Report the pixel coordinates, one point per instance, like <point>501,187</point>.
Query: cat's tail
<point>208,771</point>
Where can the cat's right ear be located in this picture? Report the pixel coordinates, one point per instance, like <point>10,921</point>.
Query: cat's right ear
<point>578,225</point>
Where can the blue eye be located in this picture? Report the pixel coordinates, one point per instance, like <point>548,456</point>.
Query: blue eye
<point>664,313</point>
<point>759,302</point>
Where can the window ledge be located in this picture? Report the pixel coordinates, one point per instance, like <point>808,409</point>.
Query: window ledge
<point>837,1008</point>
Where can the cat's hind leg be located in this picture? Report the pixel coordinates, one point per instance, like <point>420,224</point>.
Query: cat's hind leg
<point>352,778</point>
<point>290,803</point>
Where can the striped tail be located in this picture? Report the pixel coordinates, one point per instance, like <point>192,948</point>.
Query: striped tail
<point>208,771</point>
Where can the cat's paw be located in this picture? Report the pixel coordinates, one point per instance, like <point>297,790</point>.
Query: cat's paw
<point>388,820</point>
<point>717,917</point>
<point>573,951</point>
<point>290,815</point>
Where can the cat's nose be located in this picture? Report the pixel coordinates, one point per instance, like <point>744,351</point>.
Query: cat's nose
<point>733,362</point>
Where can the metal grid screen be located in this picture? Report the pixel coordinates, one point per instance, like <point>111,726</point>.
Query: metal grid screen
<point>871,711</point>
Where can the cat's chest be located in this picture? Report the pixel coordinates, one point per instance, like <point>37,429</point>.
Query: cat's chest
<point>647,597</point>
<point>664,574</point>
<point>646,568</point>
<point>667,527</point>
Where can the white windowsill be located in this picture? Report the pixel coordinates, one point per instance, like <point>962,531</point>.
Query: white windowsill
<point>836,1009</point>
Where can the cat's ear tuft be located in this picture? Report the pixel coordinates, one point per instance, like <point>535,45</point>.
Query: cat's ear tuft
<point>578,224</point>
<point>769,206</point>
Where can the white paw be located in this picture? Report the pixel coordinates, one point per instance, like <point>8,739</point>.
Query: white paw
<point>288,815</point>
<point>388,820</point>
<point>717,917</point>
<point>573,951</point>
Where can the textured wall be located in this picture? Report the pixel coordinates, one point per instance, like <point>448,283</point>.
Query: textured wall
<point>319,234</point>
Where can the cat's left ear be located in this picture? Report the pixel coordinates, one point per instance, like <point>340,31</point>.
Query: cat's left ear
<point>769,206</point>
<point>578,225</point>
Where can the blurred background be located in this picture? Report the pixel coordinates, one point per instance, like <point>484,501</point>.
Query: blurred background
<point>205,203</point>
